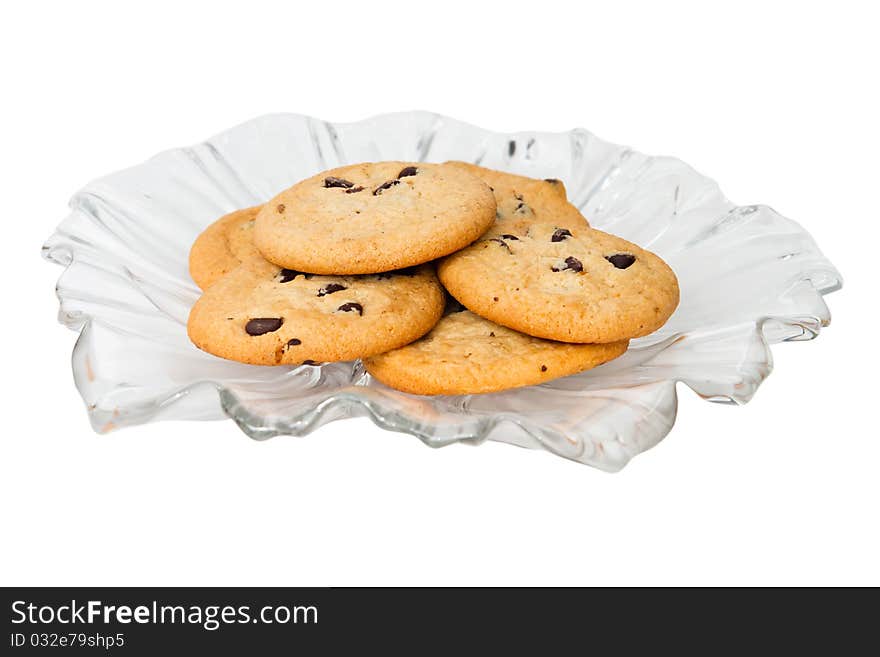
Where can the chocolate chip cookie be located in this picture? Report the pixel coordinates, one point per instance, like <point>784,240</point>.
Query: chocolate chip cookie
<point>374,217</point>
<point>263,314</point>
<point>222,246</point>
<point>568,284</point>
<point>521,201</point>
<point>466,354</point>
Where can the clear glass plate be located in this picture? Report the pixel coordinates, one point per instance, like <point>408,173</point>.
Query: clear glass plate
<point>749,277</point>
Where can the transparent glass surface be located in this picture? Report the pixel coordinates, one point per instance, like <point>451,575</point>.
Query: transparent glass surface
<point>749,278</point>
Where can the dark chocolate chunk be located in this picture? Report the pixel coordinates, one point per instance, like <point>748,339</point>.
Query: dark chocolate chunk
<point>407,171</point>
<point>333,181</point>
<point>330,288</point>
<point>571,263</point>
<point>621,260</point>
<point>354,190</point>
<point>574,264</point>
<point>293,342</point>
<point>385,185</point>
<point>280,208</point>
<point>521,206</point>
<point>502,243</point>
<point>350,306</point>
<point>543,368</point>
<point>560,234</point>
<point>288,275</point>
<point>508,236</point>
<point>261,325</point>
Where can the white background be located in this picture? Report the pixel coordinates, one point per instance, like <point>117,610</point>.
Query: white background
<point>777,101</point>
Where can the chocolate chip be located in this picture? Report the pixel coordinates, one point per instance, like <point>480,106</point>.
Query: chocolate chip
<point>552,181</point>
<point>262,325</point>
<point>621,260</point>
<point>508,236</point>
<point>293,342</point>
<point>288,275</point>
<point>522,207</point>
<point>280,208</point>
<point>560,234</point>
<point>384,186</point>
<point>501,242</point>
<point>350,306</point>
<point>494,298</point>
<point>543,368</point>
<point>332,181</point>
<point>570,263</point>
<point>574,264</point>
<point>407,171</point>
<point>491,334</point>
<point>491,189</point>
<point>330,288</point>
<point>354,190</point>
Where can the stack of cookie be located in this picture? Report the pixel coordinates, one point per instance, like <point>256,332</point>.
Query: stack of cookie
<point>352,263</point>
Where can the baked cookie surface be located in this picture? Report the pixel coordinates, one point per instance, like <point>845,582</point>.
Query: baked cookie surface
<point>374,217</point>
<point>521,201</point>
<point>573,285</point>
<point>265,315</point>
<point>222,246</point>
<point>466,354</point>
